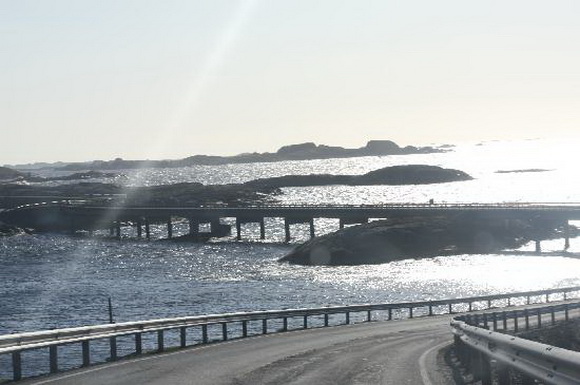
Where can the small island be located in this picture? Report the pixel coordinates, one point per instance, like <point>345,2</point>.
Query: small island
<point>393,175</point>
<point>419,237</point>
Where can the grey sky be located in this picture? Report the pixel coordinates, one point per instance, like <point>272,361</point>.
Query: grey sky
<point>83,80</point>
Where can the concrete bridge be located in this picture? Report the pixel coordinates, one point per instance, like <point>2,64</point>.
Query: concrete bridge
<point>77,215</point>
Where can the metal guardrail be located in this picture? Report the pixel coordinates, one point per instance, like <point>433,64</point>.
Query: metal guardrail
<point>486,344</point>
<point>15,344</point>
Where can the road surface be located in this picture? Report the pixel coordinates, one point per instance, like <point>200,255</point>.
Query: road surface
<point>396,352</point>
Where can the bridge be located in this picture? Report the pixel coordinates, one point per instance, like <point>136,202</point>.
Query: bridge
<point>84,214</point>
<point>368,343</point>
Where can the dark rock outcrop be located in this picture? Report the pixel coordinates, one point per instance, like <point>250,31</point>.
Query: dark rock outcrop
<point>10,174</point>
<point>395,239</point>
<point>395,175</point>
<point>9,230</point>
<point>181,194</point>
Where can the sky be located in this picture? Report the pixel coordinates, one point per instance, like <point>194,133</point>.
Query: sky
<point>142,79</point>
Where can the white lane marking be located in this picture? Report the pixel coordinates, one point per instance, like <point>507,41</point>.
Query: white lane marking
<point>423,358</point>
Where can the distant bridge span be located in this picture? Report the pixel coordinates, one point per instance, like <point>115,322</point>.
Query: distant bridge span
<point>75,215</point>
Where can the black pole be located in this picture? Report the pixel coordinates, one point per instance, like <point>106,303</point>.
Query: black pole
<point>111,321</point>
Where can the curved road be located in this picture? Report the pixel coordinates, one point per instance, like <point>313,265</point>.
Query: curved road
<point>395,352</point>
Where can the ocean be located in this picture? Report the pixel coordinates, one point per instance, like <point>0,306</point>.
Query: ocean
<point>53,281</point>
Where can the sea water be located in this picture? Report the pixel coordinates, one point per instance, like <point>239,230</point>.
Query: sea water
<point>53,281</point>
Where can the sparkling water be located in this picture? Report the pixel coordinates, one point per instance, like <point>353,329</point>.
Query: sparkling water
<point>53,281</point>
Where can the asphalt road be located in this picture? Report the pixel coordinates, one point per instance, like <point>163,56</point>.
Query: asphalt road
<point>396,352</point>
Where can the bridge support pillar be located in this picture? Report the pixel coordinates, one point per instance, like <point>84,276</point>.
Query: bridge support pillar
<point>566,235</point>
<point>341,224</point>
<point>287,229</point>
<point>238,229</point>
<point>147,229</point>
<point>169,228</point>
<point>262,229</point>
<point>193,227</point>
<point>312,235</point>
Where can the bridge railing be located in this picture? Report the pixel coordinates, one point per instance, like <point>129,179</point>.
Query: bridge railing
<point>15,344</point>
<point>486,344</point>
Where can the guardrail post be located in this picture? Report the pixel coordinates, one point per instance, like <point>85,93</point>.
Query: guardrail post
<point>183,336</point>
<point>16,366</point>
<point>113,348</point>
<point>502,374</point>
<point>480,367</point>
<point>225,331</point>
<point>160,341</point>
<point>504,319</point>
<point>527,300</point>
<point>527,316</point>
<point>204,334</point>
<point>244,329</point>
<point>86,353</point>
<point>430,310</point>
<point>451,308</point>
<point>485,321</point>
<point>475,364</point>
<point>53,353</point>
<point>285,324</point>
<point>516,322</point>
<point>509,302</point>
<point>485,370</point>
<point>347,318</point>
<point>305,323</point>
<point>411,312</point>
<point>369,318</point>
<point>539,318</point>
<point>390,315</point>
<point>325,319</point>
<point>138,343</point>
<point>553,315</point>
<point>265,326</point>
<point>470,306</point>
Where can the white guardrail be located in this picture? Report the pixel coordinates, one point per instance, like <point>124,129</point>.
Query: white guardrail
<point>488,346</point>
<point>15,344</point>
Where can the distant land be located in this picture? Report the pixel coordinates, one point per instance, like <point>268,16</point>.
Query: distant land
<point>303,151</point>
